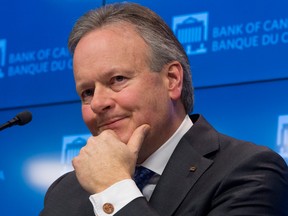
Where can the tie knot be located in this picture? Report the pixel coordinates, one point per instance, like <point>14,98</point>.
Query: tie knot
<point>142,175</point>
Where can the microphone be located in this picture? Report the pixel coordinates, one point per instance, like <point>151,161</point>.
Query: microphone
<point>21,118</point>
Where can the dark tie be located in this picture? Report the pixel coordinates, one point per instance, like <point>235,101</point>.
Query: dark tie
<point>142,175</point>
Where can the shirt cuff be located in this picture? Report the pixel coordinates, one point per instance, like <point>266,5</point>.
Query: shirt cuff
<point>111,200</point>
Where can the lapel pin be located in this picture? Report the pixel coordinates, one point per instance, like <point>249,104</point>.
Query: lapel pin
<point>192,168</point>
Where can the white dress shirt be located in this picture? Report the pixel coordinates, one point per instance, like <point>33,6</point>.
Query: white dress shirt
<point>123,192</point>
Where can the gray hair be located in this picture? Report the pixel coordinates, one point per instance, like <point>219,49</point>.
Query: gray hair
<point>163,44</point>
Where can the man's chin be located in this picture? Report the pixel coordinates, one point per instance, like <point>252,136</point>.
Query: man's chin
<point>124,138</point>
<point>123,135</point>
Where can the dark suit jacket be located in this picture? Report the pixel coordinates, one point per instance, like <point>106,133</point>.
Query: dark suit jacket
<point>208,174</point>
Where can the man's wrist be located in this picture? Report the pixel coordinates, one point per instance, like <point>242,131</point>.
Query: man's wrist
<point>111,200</point>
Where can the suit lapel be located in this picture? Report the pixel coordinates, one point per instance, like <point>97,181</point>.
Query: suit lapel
<point>184,168</point>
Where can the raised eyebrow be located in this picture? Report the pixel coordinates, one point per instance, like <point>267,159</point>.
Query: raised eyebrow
<point>81,86</point>
<point>116,72</point>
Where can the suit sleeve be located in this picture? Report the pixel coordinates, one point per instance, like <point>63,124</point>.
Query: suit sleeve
<point>138,206</point>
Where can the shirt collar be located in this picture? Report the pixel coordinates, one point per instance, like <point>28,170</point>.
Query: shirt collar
<point>158,160</point>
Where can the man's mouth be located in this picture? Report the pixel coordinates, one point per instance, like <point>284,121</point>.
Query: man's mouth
<point>112,123</point>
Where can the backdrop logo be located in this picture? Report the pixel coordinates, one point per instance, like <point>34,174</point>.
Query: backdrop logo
<point>71,148</point>
<point>282,136</point>
<point>192,32</point>
<point>2,56</point>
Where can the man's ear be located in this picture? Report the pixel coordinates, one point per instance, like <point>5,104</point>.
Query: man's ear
<point>175,79</point>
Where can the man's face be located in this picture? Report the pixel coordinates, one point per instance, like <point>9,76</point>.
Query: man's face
<point>117,88</point>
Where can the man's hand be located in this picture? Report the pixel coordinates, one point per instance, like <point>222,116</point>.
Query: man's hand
<point>106,160</point>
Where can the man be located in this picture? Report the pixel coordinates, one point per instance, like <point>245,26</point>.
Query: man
<point>133,78</point>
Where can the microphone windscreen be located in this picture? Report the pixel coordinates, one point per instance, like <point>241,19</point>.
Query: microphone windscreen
<point>24,117</point>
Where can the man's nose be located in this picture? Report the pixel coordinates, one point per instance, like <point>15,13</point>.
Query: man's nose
<point>102,100</point>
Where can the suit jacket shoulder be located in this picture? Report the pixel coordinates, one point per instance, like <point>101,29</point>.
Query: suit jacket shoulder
<point>66,197</point>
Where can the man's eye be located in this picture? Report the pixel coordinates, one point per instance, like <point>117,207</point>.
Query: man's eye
<point>117,79</point>
<point>117,83</point>
<point>87,94</point>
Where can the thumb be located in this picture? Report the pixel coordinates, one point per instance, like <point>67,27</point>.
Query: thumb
<point>137,138</point>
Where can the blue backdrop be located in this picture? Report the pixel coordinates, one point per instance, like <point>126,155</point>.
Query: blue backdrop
<point>238,54</point>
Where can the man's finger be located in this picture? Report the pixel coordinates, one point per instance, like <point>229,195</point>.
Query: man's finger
<point>137,138</point>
